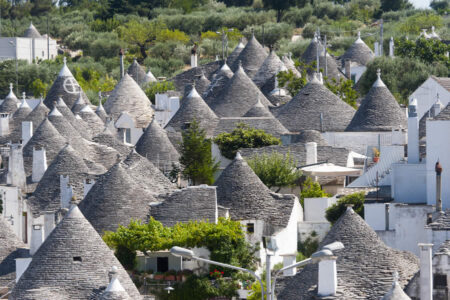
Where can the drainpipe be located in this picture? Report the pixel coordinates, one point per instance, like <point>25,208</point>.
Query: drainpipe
<point>438,170</point>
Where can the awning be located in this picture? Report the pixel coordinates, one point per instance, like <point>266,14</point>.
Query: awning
<point>329,169</point>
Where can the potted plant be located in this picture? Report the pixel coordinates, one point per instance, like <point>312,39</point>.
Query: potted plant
<point>376,154</point>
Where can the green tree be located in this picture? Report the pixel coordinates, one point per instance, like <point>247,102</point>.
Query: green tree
<point>39,88</point>
<point>157,88</point>
<point>243,136</point>
<point>343,89</point>
<point>311,189</point>
<point>335,211</point>
<point>196,157</point>
<point>387,5</point>
<point>41,7</point>
<point>282,5</point>
<point>276,169</point>
<point>428,51</point>
<point>440,6</point>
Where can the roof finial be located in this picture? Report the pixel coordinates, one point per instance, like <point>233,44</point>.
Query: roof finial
<point>10,87</point>
<point>379,73</point>
<point>290,55</point>
<point>99,95</point>
<point>253,32</point>
<point>238,156</point>
<point>359,34</point>
<point>73,200</point>
<point>23,96</point>
<point>395,276</point>
<point>240,63</point>
<point>65,60</point>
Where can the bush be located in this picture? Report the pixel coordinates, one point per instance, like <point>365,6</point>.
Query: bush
<point>311,189</point>
<point>414,24</point>
<point>126,257</point>
<point>243,137</point>
<point>273,32</point>
<point>335,211</point>
<point>163,67</point>
<point>298,16</point>
<point>158,88</point>
<point>328,9</point>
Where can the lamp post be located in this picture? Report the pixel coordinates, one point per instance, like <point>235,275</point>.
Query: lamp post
<point>178,251</point>
<point>224,41</point>
<point>316,257</point>
<point>17,67</point>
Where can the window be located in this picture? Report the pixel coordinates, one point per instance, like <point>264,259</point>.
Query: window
<point>128,135</point>
<point>353,78</point>
<point>440,281</point>
<point>77,259</point>
<point>250,227</point>
<point>162,264</point>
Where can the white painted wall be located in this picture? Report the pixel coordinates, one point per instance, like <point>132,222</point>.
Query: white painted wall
<point>426,96</point>
<point>315,208</point>
<point>359,141</point>
<point>26,48</point>
<point>165,108</point>
<point>125,121</point>
<point>357,71</point>
<point>409,183</point>
<point>13,205</point>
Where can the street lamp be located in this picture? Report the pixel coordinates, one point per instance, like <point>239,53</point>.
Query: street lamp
<point>183,252</point>
<point>224,41</point>
<point>17,67</point>
<point>316,257</point>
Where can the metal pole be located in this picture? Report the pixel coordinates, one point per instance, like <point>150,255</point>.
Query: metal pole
<point>268,276</point>
<point>48,41</point>
<point>317,51</point>
<point>234,268</point>
<point>325,58</point>
<point>17,73</point>
<point>381,38</point>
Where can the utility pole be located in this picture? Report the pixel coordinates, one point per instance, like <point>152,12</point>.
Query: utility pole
<point>325,56</point>
<point>317,50</point>
<point>381,37</point>
<point>48,41</point>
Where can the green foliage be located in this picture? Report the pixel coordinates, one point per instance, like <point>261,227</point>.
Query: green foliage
<point>243,136</point>
<point>335,211</point>
<point>158,88</point>
<point>387,5</point>
<point>39,88</point>
<point>292,83</point>
<point>402,75</point>
<point>441,6</point>
<point>308,246</point>
<point>196,157</point>
<point>298,16</point>
<point>276,169</point>
<point>273,32</point>
<point>311,189</point>
<point>225,240</point>
<point>343,89</point>
<point>281,5</point>
<point>415,23</point>
<point>428,51</point>
<point>126,257</point>
<point>256,291</point>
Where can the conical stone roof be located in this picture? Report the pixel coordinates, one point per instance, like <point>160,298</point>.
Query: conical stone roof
<point>310,53</point>
<point>11,247</point>
<point>156,146</point>
<point>241,190</point>
<point>115,199</point>
<point>47,196</point>
<point>193,107</point>
<point>396,292</point>
<point>150,76</point>
<point>73,259</point>
<point>18,117</point>
<point>379,111</point>
<point>32,32</point>
<point>79,104</point>
<point>252,57</point>
<point>129,97</point>
<point>79,125</point>
<point>38,115</point>
<point>220,79</point>
<point>94,122</point>
<point>290,65</point>
<point>310,56</point>
<point>308,136</point>
<point>66,87</point>
<point>11,103</point>
<point>137,73</point>
<point>100,111</point>
<point>46,136</point>
<point>358,52</point>
<point>238,96</point>
<point>270,67</point>
<point>109,139</point>
<point>146,175</point>
<point>364,266</point>
<point>304,111</point>
<point>258,110</point>
<point>114,290</point>
<point>201,85</point>
<point>231,59</point>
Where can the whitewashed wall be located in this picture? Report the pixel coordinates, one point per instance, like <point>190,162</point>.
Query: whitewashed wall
<point>426,95</point>
<point>409,183</point>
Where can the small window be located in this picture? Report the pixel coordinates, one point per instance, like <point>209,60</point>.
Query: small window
<point>250,227</point>
<point>440,281</point>
<point>77,259</point>
<point>353,77</point>
<point>128,135</point>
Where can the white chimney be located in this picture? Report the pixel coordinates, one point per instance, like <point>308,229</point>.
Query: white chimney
<point>66,191</point>
<point>4,124</point>
<point>289,260</point>
<point>327,285</point>
<point>413,133</point>
<point>376,47</point>
<point>194,57</point>
<point>391,47</point>
<point>426,272</point>
<point>27,131</point>
<point>311,153</point>
<point>21,266</point>
<point>39,164</point>
<point>37,237</point>
<point>16,171</point>
<point>49,223</point>
<point>87,185</point>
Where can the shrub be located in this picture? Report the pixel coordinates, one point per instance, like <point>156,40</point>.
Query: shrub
<point>158,88</point>
<point>273,32</point>
<point>311,189</point>
<point>414,24</point>
<point>126,257</point>
<point>298,16</point>
<point>335,211</point>
<point>243,137</point>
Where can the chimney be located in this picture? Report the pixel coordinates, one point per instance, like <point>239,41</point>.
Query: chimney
<point>87,185</point>
<point>438,169</point>
<point>21,266</point>
<point>391,47</point>
<point>287,261</point>
<point>426,272</point>
<point>66,191</point>
<point>376,47</point>
<point>327,283</point>
<point>437,106</point>
<point>16,171</point>
<point>4,124</point>
<point>39,164</point>
<point>311,153</point>
<point>194,56</point>
<point>27,131</point>
<point>413,133</point>
<point>122,69</point>
<point>37,236</point>
<point>49,223</point>
<point>348,68</point>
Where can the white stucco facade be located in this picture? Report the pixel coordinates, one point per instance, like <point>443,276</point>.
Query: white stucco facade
<point>426,95</point>
<point>28,49</point>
